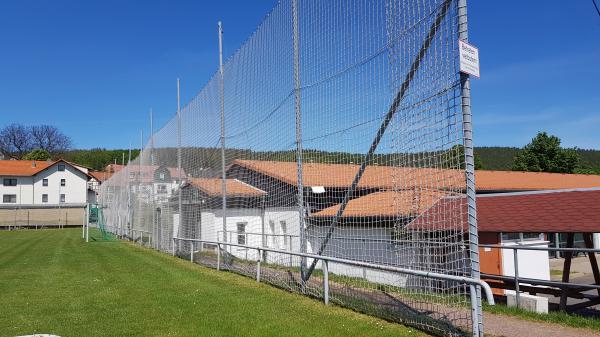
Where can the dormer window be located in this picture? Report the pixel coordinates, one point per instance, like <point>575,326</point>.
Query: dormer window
<point>61,167</point>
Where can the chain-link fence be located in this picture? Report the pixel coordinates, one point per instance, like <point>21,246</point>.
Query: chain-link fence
<point>339,132</point>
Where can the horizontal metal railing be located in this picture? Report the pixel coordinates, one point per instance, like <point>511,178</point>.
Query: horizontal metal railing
<point>328,259</point>
<point>533,247</point>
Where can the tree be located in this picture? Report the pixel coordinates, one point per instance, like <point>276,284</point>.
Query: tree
<point>37,154</point>
<point>49,138</point>
<point>544,154</point>
<point>15,140</point>
<point>455,157</point>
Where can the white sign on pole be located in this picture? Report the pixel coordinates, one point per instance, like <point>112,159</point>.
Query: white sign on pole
<point>469,58</point>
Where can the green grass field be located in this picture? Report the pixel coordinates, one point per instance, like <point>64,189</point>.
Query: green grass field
<point>53,282</point>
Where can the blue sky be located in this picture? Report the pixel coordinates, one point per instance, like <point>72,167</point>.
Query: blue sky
<point>94,68</point>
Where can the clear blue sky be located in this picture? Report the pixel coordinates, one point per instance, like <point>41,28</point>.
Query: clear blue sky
<point>94,68</point>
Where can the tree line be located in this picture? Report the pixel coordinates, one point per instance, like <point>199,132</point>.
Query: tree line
<point>543,154</point>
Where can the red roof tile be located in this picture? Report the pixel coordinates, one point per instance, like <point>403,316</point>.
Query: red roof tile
<point>213,187</point>
<point>547,211</point>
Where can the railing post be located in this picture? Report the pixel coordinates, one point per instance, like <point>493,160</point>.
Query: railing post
<point>325,264</point>
<point>516,262</point>
<point>219,257</point>
<point>192,251</point>
<point>258,265</point>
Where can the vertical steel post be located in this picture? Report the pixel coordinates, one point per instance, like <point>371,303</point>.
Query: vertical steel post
<point>153,209</point>
<point>517,292</point>
<point>83,224</point>
<point>180,178</point>
<point>218,257</point>
<point>87,223</point>
<point>557,245</point>
<point>192,251</point>
<point>463,35</point>
<point>173,247</point>
<point>129,210</point>
<point>222,103</point>
<point>325,264</point>
<point>258,265</point>
<point>298,113</point>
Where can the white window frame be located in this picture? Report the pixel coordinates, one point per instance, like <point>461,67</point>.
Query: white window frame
<point>241,234</point>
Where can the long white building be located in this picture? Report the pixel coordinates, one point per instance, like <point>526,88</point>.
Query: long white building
<point>43,183</point>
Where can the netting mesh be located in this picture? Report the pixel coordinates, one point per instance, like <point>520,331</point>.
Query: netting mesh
<point>342,137</point>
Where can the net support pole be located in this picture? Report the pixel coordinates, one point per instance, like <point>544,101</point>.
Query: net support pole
<point>381,131</point>
<point>153,208</point>
<point>470,174</point>
<point>179,176</point>
<point>222,108</point>
<point>298,114</point>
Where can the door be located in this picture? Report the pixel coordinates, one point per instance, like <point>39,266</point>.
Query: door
<point>490,259</point>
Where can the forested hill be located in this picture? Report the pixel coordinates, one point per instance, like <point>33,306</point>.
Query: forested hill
<point>97,159</point>
<point>492,158</point>
<point>501,158</point>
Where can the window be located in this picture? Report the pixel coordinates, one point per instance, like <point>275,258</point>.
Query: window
<point>522,236</point>
<point>44,197</point>
<point>9,198</point>
<point>62,198</point>
<point>63,182</point>
<point>44,182</point>
<point>162,188</point>
<point>283,226</point>
<point>272,228</point>
<point>10,182</point>
<point>241,233</point>
<point>61,167</point>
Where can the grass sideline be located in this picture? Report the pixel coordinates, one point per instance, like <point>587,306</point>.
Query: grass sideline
<point>556,317</point>
<point>53,282</point>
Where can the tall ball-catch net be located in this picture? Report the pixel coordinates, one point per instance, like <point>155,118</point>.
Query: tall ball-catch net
<point>335,130</point>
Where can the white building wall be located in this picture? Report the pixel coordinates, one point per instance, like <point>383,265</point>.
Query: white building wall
<point>29,190</point>
<point>75,189</point>
<point>23,190</point>
<point>532,264</point>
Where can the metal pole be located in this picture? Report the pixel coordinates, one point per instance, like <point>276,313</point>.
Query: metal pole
<point>517,292</point>
<point>180,184</point>
<point>325,264</point>
<point>87,223</point>
<point>258,266</point>
<point>173,247</point>
<point>557,244</point>
<point>470,168</point>
<point>298,110</point>
<point>222,97</point>
<point>83,224</point>
<point>219,257</point>
<point>192,251</point>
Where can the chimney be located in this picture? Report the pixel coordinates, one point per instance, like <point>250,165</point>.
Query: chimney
<point>33,164</point>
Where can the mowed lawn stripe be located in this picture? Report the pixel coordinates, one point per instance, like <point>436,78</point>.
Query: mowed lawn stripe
<point>53,282</point>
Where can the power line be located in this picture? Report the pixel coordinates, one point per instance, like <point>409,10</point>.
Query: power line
<point>596,6</point>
